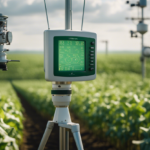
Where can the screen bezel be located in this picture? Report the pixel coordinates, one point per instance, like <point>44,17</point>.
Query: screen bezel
<point>71,73</point>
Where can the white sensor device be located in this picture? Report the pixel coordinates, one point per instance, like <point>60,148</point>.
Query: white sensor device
<point>70,55</point>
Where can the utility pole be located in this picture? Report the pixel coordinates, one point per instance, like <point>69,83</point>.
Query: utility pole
<point>142,28</point>
<point>106,50</point>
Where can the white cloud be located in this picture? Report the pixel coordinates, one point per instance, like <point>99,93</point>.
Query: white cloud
<point>115,6</point>
<point>4,2</point>
<point>27,21</point>
<point>29,2</point>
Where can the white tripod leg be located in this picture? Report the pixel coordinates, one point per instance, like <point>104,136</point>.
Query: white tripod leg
<point>46,135</point>
<point>77,137</point>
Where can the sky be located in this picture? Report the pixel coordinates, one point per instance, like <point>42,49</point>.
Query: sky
<point>27,21</point>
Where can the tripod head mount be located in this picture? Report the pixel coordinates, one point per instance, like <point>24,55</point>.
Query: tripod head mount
<point>5,38</point>
<point>63,90</point>
<point>61,98</point>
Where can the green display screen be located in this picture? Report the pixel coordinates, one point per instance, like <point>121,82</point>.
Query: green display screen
<point>71,55</point>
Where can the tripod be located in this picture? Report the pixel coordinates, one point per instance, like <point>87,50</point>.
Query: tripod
<point>61,97</point>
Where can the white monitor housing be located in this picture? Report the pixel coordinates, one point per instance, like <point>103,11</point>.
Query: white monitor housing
<point>70,55</point>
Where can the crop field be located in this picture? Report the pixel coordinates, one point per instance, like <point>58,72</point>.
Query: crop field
<point>114,107</point>
<point>32,67</point>
<point>11,118</point>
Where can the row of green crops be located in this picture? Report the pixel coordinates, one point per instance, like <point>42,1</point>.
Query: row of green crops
<point>113,107</point>
<point>31,65</point>
<point>11,118</point>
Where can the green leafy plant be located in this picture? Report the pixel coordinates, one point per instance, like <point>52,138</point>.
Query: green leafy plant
<point>11,118</point>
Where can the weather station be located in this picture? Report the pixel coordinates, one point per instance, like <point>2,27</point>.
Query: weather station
<point>68,56</point>
<point>142,28</point>
<point>5,38</point>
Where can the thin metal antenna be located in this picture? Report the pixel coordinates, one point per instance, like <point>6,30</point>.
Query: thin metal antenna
<point>68,15</point>
<point>46,15</point>
<point>83,15</point>
<point>71,19</point>
<point>71,14</point>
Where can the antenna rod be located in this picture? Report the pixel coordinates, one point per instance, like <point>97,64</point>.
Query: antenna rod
<point>71,14</point>
<point>46,15</point>
<point>83,15</point>
<point>68,15</point>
